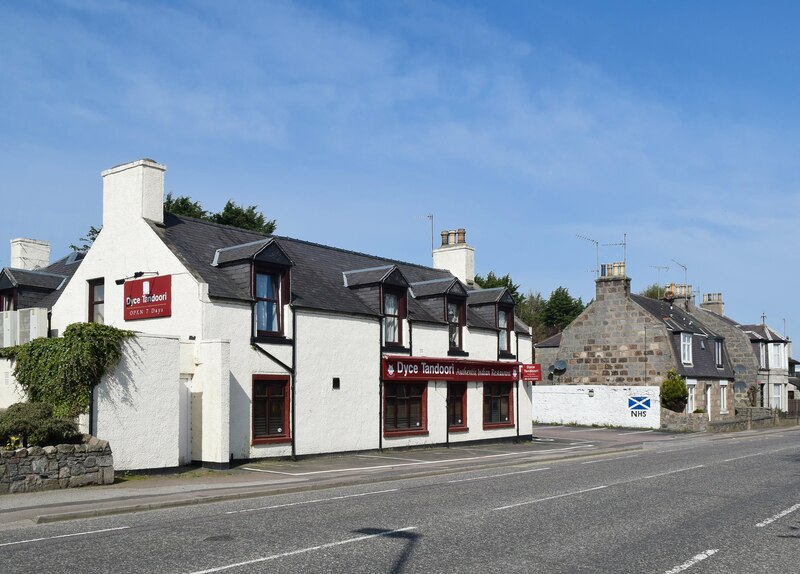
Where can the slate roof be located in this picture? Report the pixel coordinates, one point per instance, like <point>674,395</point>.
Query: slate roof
<point>678,321</point>
<point>554,341</point>
<point>45,285</point>
<point>317,276</point>
<point>762,333</point>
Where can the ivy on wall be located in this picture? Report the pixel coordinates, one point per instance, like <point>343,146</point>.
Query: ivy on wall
<point>61,371</point>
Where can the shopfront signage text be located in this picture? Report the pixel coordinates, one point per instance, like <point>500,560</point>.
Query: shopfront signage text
<point>429,369</point>
<point>531,372</point>
<point>148,298</point>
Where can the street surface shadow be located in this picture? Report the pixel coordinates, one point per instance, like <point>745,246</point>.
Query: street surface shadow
<point>410,538</point>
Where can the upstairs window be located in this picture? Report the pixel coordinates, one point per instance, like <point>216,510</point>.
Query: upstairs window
<point>455,323</point>
<point>97,297</point>
<point>686,348</point>
<point>776,360</point>
<point>7,300</point>
<point>718,353</point>
<point>393,311</point>
<point>504,323</point>
<point>762,355</point>
<point>268,320</point>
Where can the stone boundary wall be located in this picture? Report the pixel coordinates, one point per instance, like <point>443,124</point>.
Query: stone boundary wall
<point>53,467</point>
<point>746,419</point>
<point>683,422</point>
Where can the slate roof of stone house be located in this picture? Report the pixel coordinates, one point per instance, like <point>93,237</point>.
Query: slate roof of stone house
<point>550,342</point>
<point>45,285</point>
<point>317,276</point>
<point>677,321</point>
<point>762,333</point>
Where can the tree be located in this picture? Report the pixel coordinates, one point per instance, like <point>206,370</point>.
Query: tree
<point>529,309</point>
<point>87,241</point>
<point>183,205</point>
<point>674,392</point>
<point>653,291</point>
<point>34,424</point>
<point>492,280</point>
<point>560,310</point>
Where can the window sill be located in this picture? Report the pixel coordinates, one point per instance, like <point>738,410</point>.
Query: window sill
<point>489,426</point>
<point>506,355</point>
<point>457,353</point>
<point>458,429</point>
<point>404,432</point>
<point>271,440</point>
<point>395,349</point>
<point>272,340</point>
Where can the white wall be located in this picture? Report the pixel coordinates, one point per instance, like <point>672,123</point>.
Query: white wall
<point>137,405</point>
<point>212,378</point>
<point>431,340</point>
<point>10,392</point>
<point>347,418</point>
<point>567,404</point>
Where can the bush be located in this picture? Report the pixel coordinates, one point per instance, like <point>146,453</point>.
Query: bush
<point>674,392</point>
<point>33,424</point>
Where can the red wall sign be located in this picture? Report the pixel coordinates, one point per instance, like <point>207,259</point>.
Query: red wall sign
<point>531,372</point>
<point>398,368</point>
<point>148,298</point>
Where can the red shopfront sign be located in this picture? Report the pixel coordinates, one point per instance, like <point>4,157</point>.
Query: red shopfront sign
<point>399,368</point>
<point>149,298</point>
<point>531,372</point>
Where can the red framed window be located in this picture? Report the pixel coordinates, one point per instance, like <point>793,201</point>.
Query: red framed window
<point>457,406</point>
<point>270,409</point>
<point>97,300</point>
<point>270,287</point>
<point>405,408</point>
<point>455,323</point>
<point>394,309</point>
<point>498,405</point>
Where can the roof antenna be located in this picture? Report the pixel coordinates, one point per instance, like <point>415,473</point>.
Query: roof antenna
<point>658,269</point>
<point>430,217</point>
<point>624,246</point>
<point>685,280</point>
<point>596,252</point>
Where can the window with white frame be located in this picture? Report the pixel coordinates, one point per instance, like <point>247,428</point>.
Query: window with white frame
<point>691,385</point>
<point>504,324</point>
<point>762,356</point>
<point>686,348</point>
<point>776,357</point>
<point>723,397</point>
<point>777,403</point>
<point>718,353</point>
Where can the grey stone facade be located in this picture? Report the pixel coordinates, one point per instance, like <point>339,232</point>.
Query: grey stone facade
<point>54,467</point>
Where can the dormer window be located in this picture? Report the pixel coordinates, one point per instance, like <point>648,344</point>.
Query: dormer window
<point>269,295</point>
<point>762,356</point>
<point>504,324</point>
<point>393,311</point>
<point>718,353</point>
<point>686,348</point>
<point>455,323</point>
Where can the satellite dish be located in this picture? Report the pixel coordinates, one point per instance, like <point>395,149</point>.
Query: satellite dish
<point>740,369</point>
<point>740,387</point>
<point>669,295</point>
<point>559,367</point>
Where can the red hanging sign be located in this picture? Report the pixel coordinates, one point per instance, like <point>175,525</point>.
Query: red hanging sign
<point>531,372</point>
<point>149,298</point>
<point>401,368</point>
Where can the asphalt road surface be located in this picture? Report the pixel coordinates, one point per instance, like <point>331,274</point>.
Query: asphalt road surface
<point>718,504</point>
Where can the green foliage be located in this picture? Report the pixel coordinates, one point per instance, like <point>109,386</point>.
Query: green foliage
<point>530,310</point>
<point>244,218</point>
<point>87,241</point>
<point>560,310</point>
<point>60,372</point>
<point>752,395</point>
<point>33,424</point>
<point>653,291</point>
<point>492,280</point>
<point>674,392</point>
<point>183,205</point>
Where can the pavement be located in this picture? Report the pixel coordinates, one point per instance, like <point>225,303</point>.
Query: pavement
<point>133,493</point>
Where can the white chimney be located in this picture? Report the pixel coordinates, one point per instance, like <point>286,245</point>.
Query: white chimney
<point>456,256</point>
<point>29,253</point>
<point>133,190</point>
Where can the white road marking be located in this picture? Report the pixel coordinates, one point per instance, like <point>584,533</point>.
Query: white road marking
<point>671,472</point>
<point>587,430</point>
<point>304,550</point>
<point>64,536</point>
<point>741,457</point>
<point>692,561</point>
<point>498,475</point>
<point>424,462</point>
<point>610,459</point>
<point>549,498</point>
<point>311,501</point>
<point>637,432</point>
<point>388,457</point>
<point>777,516</point>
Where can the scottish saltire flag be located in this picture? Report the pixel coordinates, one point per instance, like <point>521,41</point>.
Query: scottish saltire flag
<point>639,403</point>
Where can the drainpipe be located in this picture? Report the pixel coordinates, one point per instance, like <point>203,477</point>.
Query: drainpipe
<point>380,384</point>
<point>294,382</point>
<point>516,335</point>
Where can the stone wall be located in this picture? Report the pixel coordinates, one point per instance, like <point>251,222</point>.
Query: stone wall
<point>615,341</point>
<point>53,467</point>
<point>683,422</point>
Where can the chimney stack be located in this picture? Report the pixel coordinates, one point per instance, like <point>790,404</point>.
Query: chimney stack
<point>29,254</point>
<point>713,302</point>
<point>613,282</point>
<point>132,191</point>
<point>456,256</point>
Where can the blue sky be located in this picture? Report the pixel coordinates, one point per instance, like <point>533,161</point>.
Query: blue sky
<point>526,122</point>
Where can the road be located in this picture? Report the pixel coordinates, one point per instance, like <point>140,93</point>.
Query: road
<point>711,504</point>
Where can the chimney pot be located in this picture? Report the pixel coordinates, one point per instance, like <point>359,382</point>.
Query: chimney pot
<point>462,235</point>
<point>444,237</point>
<point>451,237</point>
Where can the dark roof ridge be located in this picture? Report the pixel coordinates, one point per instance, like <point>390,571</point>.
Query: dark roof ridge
<point>440,280</point>
<point>36,271</point>
<point>303,241</point>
